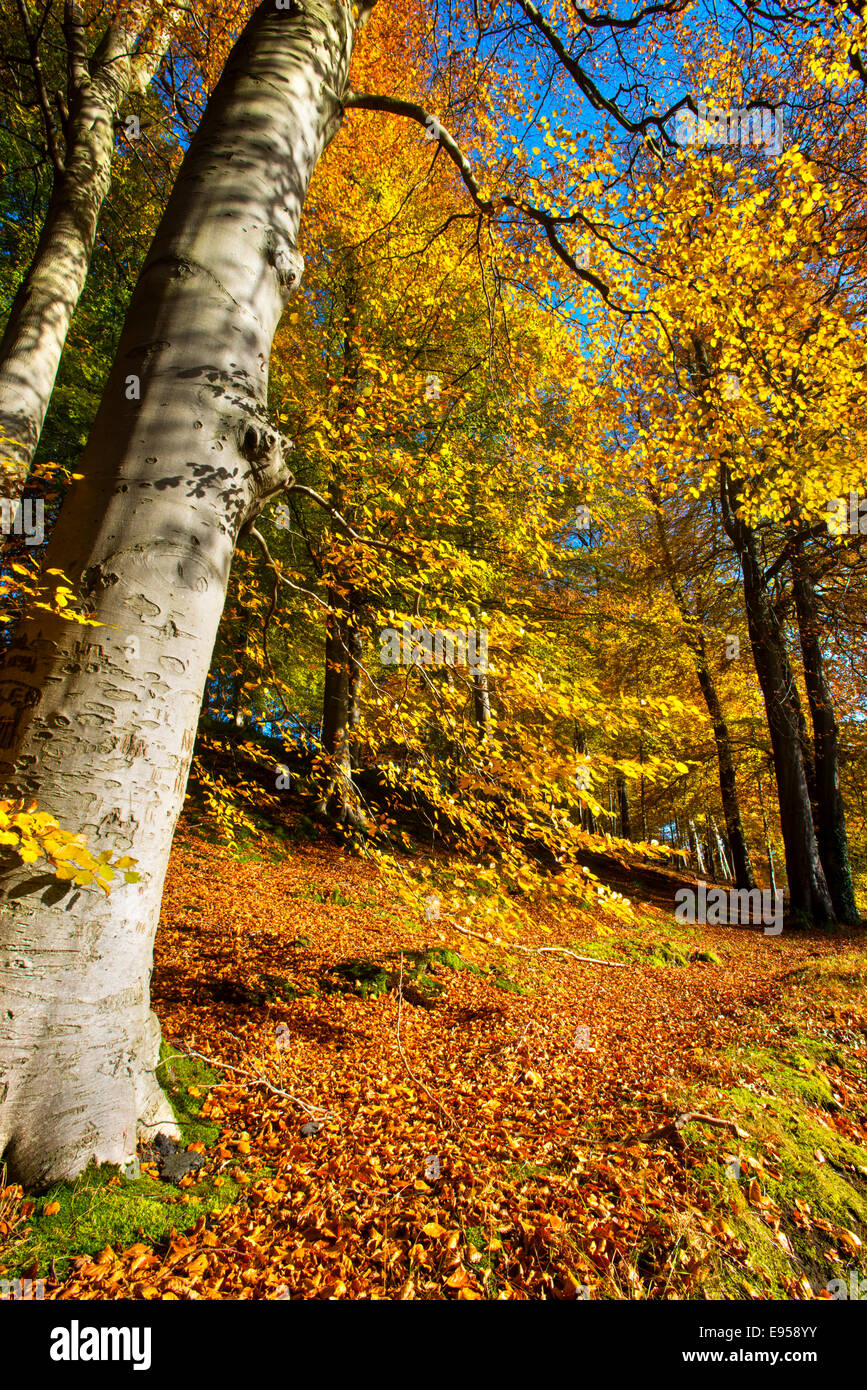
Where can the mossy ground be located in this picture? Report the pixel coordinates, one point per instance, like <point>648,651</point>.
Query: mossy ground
<point>421,972</point>
<point>652,940</point>
<point>803,1171</point>
<point>103,1208</point>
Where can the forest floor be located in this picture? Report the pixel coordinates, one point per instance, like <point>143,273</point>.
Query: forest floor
<point>479,1126</point>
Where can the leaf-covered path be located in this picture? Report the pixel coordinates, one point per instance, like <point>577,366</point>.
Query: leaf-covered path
<point>527,1078</point>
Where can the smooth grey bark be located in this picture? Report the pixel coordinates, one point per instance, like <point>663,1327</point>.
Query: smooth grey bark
<point>695,846</point>
<point>38,322</point>
<point>481,704</point>
<point>100,721</point>
<point>772,877</point>
<point>720,849</point>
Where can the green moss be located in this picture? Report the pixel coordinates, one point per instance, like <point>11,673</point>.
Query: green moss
<point>600,948</point>
<point>452,960</point>
<point>510,986</point>
<point>783,1118</point>
<point>653,941</point>
<point>335,896</point>
<point>176,1073</point>
<point>101,1207</point>
<point>369,978</point>
<point>478,1238</point>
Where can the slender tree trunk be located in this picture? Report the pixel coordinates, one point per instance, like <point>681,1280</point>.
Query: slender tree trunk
<point>803,733</point>
<point>710,849</point>
<point>623,806</point>
<point>695,845</point>
<point>340,714</point>
<point>741,863</point>
<point>772,877</point>
<point>721,850</point>
<point>42,310</point>
<point>104,740</point>
<point>343,644</point>
<point>481,704</point>
<point>579,744</point>
<point>830,812</point>
<point>808,889</point>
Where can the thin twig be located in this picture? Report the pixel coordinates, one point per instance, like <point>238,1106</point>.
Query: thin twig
<point>316,1111</point>
<point>535,950</point>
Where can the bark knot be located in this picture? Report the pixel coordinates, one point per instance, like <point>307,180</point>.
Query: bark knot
<point>288,262</point>
<point>257,442</point>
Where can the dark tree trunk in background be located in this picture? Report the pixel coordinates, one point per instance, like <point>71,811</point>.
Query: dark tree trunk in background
<point>808,888</point>
<point>623,807</point>
<point>742,868</point>
<point>830,812</point>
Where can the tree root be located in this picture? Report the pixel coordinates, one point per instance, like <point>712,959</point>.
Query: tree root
<point>671,1134</point>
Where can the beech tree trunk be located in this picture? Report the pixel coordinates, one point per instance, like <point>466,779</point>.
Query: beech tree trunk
<point>772,877</point>
<point>101,720</point>
<point>340,714</point>
<point>579,744</point>
<point>830,814</point>
<point>808,890</point>
<point>695,846</point>
<point>42,310</point>
<point>623,806</point>
<point>721,850</point>
<point>481,704</point>
<point>742,867</point>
